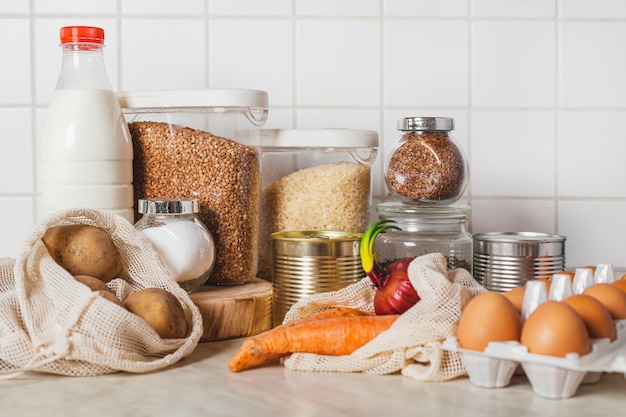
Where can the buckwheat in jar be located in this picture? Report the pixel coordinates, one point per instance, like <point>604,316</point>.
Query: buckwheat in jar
<point>426,165</point>
<point>184,148</point>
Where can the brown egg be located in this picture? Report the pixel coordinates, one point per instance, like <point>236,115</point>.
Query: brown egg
<point>488,317</point>
<point>621,284</point>
<point>555,329</point>
<point>611,297</point>
<point>595,316</point>
<point>516,296</point>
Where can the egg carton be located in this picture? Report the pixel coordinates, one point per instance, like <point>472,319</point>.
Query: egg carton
<point>550,376</point>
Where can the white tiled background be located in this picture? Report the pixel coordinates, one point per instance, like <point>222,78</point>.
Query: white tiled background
<point>537,89</point>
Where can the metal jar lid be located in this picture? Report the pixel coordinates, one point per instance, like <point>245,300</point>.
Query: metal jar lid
<point>444,124</point>
<point>519,244</point>
<point>168,206</point>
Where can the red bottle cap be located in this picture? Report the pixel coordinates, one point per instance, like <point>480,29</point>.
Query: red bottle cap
<point>70,34</point>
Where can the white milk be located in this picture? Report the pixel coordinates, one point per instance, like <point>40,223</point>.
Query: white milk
<point>86,154</point>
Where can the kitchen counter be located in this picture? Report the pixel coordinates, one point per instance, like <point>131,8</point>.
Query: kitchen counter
<point>201,385</point>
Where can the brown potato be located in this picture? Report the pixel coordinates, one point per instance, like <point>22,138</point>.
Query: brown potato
<point>161,309</point>
<point>108,295</point>
<point>84,250</point>
<point>98,286</point>
<point>92,282</point>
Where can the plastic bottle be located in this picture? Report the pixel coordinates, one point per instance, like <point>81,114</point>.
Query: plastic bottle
<point>86,148</point>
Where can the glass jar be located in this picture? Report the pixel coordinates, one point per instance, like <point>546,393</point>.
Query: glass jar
<point>426,166</point>
<point>423,230</point>
<point>182,241</point>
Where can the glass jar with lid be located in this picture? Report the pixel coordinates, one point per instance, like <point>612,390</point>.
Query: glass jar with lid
<point>181,240</point>
<point>423,230</point>
<point>426,166</point>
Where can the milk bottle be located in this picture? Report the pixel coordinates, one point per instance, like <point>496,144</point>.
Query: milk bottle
<point>86,149</point>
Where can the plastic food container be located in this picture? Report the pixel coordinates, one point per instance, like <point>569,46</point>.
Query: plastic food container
<point>313,180</point>
<point>184,148</point>
<point>549,376</point>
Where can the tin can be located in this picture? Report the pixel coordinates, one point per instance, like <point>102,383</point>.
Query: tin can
<point>505,260</point>
<point>309,262</point>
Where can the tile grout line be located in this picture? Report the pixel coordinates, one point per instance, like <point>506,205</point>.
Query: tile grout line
<point>557,89</point>
<point>33,113</point>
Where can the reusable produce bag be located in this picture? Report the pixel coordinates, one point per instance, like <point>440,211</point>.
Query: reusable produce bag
<point>413,344</point>
<point>49,322</point>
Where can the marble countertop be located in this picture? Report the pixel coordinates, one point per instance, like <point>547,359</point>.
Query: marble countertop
<point>201,385</point>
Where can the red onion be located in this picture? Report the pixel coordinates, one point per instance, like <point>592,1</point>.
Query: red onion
<point>394,292</point>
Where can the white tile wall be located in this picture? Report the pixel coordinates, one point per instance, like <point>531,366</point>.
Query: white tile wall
<point>537,89</point>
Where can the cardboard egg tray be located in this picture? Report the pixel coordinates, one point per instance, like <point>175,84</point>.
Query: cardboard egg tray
<point>549,376</point>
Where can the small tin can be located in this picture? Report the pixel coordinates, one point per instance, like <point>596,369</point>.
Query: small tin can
<point>309,262</point>
<point>505,260</point>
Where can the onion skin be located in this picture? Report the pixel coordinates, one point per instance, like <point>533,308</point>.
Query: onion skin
<point>394,292</point>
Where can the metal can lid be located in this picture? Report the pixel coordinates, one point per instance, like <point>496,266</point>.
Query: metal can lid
<point>519,244</point>
<point>168,206</point>
<point>316,243</point>
<point>426,123</point>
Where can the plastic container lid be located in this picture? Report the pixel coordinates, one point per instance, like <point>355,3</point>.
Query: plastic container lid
<point>168,206</point>
<point>181,100</point>
<point>90,34</point>
<point>315,138</point>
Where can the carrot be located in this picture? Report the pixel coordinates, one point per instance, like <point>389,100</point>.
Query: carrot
<point>327,336</point>
<point>326,314</point>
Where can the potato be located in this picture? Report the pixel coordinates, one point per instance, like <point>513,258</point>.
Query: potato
<point>108,295</point>
<point>98,286</point>
<point>84,250</point>
<point>92,282</point>
<point>161,309</point>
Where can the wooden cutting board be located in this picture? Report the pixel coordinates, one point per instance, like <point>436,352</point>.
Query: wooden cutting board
<point>234,311</point>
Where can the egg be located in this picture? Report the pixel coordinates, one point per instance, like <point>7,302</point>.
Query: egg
<point>611,297</point>
<point>621,284</point>
<point>516,296</point>
<point>555,329</point>
<point>488,317</point>
<point>595,316</point>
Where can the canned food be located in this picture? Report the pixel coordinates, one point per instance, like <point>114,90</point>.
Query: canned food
<point>505,260</point>
<point>309,262</point>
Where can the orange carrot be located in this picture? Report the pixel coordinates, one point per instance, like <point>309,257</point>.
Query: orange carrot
<point>330,313</point>
<point>329,336</point>
<point>326,314</point>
